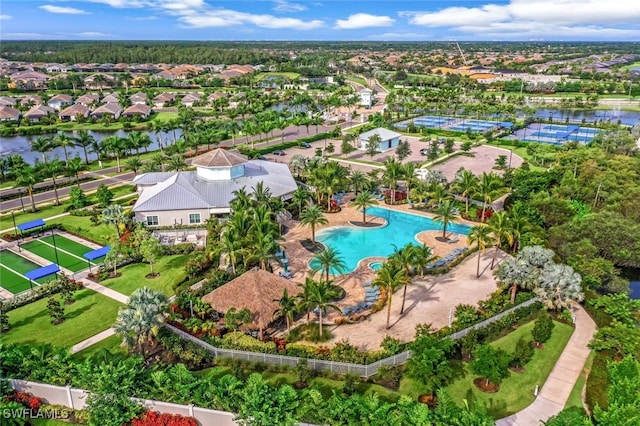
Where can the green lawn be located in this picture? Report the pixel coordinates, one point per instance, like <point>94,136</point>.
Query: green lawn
<point>111,344</point>
<point>165,116</point>
<point>89,315</point>
<point>48,251</point>
<point>82,226</point>
<point>575,398</point>
<point>290,75</point>
<point>171,269</point>
<point>12,263</point>
<point>516,392</point>
<point>68,245</point>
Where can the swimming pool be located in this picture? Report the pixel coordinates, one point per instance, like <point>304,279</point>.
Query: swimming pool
<point>355,244</point>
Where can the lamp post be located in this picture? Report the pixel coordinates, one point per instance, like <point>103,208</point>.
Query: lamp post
<point>21,202</point>
<point>510,155</point>
<point>55,247</point>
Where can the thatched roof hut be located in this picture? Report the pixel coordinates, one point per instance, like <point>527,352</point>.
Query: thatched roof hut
<point>255,290</point>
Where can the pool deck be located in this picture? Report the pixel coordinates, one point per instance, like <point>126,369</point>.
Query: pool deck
<point>429,299</point>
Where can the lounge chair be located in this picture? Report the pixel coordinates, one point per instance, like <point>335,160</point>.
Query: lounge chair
<point>454,239</point>
<point>346,311</point>
<point>364,305</point>
<point>366,284</point>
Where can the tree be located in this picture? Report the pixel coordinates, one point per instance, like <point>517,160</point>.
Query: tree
<point>500,227</point>
<point>393,171</point>
<point>358,180</point>
<point>403,150</point>
<point>85,141</point>
<point>52,169</point>
<point>429,363</point>
<point>327,260</point>
<point>321,295</point>
<point>104,195</point>
<point>61,139</point>
<point>466,183</point>
<point>525,269</point>
<point>405,257</point>
<point>78,198</point>
<point>258,407</point>
<point>150,249</point>
<point>522,353</point>
<point>449,145</point>
<point>4,319</point>
<point>42,145</point>
<point>489,184</point>
<point>542,329</point>
<point>27,176</point>
<point>466,146</point>
<point>140,321</point>
<point>481,236</point>
<point>389,277</point>
<point>501,162</point>
<point>623,395</point>
<point>288,307</point>
<point>56,310</point>
<point>115,214</point>
<point>491,364</point>
<point>176,162</point>
<point>373,145</point>
<point>363,201</point>
<point>74,167</point>
<point>446,213</point>
<point>117,146</point>
<point>305,297</point>
<point>234,318</point>
<point>312,216</point>
<point>134,164</point>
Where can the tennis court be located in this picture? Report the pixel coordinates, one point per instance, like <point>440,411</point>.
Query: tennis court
<point>12,270</point>
<point>70,253</point>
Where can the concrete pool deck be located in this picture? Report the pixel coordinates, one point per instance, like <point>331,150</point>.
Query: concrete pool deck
<point>429,299</point>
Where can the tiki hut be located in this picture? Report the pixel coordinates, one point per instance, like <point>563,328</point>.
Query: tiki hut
<point>255,290</point>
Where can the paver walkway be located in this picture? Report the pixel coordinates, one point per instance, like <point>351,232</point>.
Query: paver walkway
<point>92,340</point>
<point>555,392</point>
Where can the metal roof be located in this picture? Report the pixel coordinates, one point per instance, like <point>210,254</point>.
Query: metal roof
<point>219,158</point>
<point>385,134</point>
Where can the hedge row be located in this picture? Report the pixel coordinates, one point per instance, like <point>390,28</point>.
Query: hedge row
<point>45,188</point>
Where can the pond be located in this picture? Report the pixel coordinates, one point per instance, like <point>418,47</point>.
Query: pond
<point>22,144</point>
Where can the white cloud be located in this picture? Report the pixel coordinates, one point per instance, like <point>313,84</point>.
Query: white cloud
<point>93,34</point>
<point>142,18</point>
<point>285,6</point>
<point>228,18</point>
<point>400,36</point>
<point>364,20</point>
<point>63,10</point>
<point>4,17</point>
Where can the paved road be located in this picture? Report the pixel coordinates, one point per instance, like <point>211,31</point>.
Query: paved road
<point>556,390</point>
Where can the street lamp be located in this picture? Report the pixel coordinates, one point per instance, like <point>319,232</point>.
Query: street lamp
<point>21,202</point>
<point>55,247</point>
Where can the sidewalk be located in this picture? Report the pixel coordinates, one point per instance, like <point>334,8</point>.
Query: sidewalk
<point>555,392</point>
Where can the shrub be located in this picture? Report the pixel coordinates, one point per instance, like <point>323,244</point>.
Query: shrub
<point>391,345</point>
<point>542,329</point>
<point>522,354</point>
<point>153,418</point>
<point>466,315</point>
<point>248,343</point>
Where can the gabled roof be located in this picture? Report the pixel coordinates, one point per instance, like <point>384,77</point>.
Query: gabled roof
<point>7,101</point>
<point>384,134</point>
<point>7,112</point>
<point>138,109</point>
<point>75,109</point>
<point>219,158</point>
<point>88,98</point>
<point>61,97</point>
<point>108,109</point>
<point>110,99</point>
<point>39,111</point>
<point>175,193</point>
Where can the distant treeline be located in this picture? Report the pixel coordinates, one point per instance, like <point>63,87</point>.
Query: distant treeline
<point>255,52</point>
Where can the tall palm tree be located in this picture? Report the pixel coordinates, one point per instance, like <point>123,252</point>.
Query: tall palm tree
<point>358,180</point>
<point>363,201</point>
<point>305,297</point>
<point>134,164</point>
<point>424,256</point>
<point>65,141</point>
<point>42,145</point>
<point>312,216</point>
<point>117,146</point>
<point>393,172</point>
<point>480,235</point>
<point>407,258</point>
<point>501,229</point>
<point>519,225</point>
<point>288,307</point>
<point>176,162</point>
<point>466,184</point>
<point>446,213</point>
<point>327,260</point>
<point>85,141</point>
<point>74,167</point>
<point>389,277</point>
<point>114,214</point>
<point>137,140</point>
<point>29,177</point>
<point>489,183</point>
<point>300,197</point>
<point>160,159</point>
<point>263,248</point>
<point>322,294</point>
<point>53,169</point>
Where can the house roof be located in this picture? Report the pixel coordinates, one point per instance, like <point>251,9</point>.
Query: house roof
<point>110,99</point>
<point>35,99</point>
<point>7,101</point>
<point>219,158</point>
<point>138,109</point>
<point>88,98</point>
<point>108,109</point>
<point>384,134</point>
<point>61,97</point>
<point>39,111</point>
<point>7,112</point>
<point>254,290</point>
<point>73,110</point>
<point>186,190</point>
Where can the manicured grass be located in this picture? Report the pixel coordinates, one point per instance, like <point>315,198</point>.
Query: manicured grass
<point>68,245</point>
<point>575,398</point>
<point>47,250</point>
<point>171,269</point>
<point>111,344</point>
<point>516,392</point>
<point>90,314</point>
<point>12,270</point>
<point>83,226</point>
<point>290,75</point>
<point>165,116</point>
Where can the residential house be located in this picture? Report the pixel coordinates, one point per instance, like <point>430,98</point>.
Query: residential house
<point>192,197</point>
<point>163,99</point>
<point>141,110</point>
<point>113,110</point>
<point>28,80</point>
<point>388,139</point>
<point>366,98</point>
<point>60,101</point>
<point>31,100</point>
<point>138,98</point>
<point>38,112</point>
<point>8,101</point>
<point>99,82</point>
<point>190,99</point>
<point>88,99</point>
<point>8,113</point>
<point>73,112</point>
<point>111,98</point>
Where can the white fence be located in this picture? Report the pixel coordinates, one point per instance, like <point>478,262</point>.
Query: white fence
<point>76,399</point>
<point>363,370</point>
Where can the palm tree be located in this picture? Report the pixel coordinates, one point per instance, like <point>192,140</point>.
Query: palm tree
<point>358,180</point>
<point>305,297</point>
<point>389,277</point>
<point>424,256</point>
<point>326,260</point>
<point>405,257</point>
<point>134,164</point>
<point>560,286</point>
<point>489,183</point>
<point>117,146</point>
<point>288,307</point>
<point>300,197</point>
<point>322,294</point>
<point>84,140</point>
<point>137,140</point>
<point>42,145</point>
<point>29,178</point>
<point>519,224</point>
<point>176,162</point>
<point>263,248</point>
<point>501,229</point>
<point>65,142</point>
<point>480,235</point>
<point>363,201</point>
<point>446,213</point>
<point>311,216</point>
<point>74,167</point>
<point>115,214</point>
<point>516,273</point>
<point>466,184</point>
<point>393,171</point>
<point>53,169</point>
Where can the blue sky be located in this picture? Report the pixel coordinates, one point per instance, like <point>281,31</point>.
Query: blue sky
<point>476,20</point>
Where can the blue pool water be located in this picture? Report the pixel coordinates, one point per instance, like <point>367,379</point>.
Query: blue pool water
<point>375,266</point>
<point>355,244</point>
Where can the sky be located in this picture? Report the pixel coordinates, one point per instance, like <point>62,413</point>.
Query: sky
<point>371,20</point>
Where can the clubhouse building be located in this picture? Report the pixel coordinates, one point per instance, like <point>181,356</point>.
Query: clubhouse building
<point>191,197</point>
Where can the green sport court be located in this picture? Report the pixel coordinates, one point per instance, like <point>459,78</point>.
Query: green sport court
<point>70,253</point>
<point>12,270</point>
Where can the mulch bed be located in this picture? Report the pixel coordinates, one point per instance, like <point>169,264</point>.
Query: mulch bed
<point>361,224</point>
<point>484,387</point>
<point>517,369</point>
<point>314,248</point>
<point>152,276</point>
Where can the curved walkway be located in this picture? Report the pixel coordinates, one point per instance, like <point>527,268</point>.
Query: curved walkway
<point>555,392</point>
